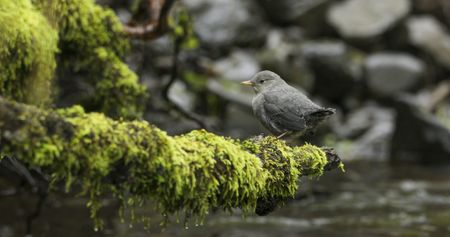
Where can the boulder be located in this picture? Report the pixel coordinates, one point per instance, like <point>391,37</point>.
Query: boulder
<point>365,19</point>
<point>418,136</point>
<point>238,66</point>
<point>282,54</point>
<point>390,73</point>
<point>335,66</point>
<point>287,11</point>
<point>365,133</point>
<point>431,36</point>
<point>308,14</point>
<point>221,23</point>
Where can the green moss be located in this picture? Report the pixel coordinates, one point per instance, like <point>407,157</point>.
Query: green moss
<point>84,26</point>
<point>27,52</point>
<point>118,92</point>
<point>135,161</point>
<point>92,44</point>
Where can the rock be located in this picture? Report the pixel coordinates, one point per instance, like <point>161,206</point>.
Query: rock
<point>309,14</point>
<point>287,11</point>
<point>390,73</point>
<point>181,95</point>
<point>437,8</point>
<point>418,136</point>
<point>282,54</point>
<point>365,19</point>
<point>426,5</point>
<point>359,121</point>
<point>222,23</point>
<point>239,66</point>
<point>368,129</point>
<point>428,34</point>
<point>336,67</point>
<point>231,91</point>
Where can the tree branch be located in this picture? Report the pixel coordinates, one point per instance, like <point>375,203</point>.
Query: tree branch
<point>135,161</point>
<point>158,24</point>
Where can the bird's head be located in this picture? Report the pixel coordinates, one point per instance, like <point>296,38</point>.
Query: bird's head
<point>264,80</point>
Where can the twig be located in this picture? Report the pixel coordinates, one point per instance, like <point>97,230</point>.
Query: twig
<point>37,211</point>
<point>440,93</point>
<point>199,120</point>
<point>35,180</point>
<point>158,23</point>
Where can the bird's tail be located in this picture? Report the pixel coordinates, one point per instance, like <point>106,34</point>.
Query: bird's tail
<point>324,112</point>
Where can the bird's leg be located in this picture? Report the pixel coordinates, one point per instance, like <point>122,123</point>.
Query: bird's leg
<point>282,135</point>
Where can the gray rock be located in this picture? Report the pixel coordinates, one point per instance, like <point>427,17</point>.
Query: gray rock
<point>286,11</point>
<point>369,129</point>
<point>221,23</point>
<point>238,66</point>
<point>282,54</point>
<point>335,66</point>
<point>418,136</point>
<point>428,34</point>
<point>361,120</point>
<point>181,95</point>
<point>390,73</point>
<point>437,8</point>
<point>364,19</point>
<point>231,91</point>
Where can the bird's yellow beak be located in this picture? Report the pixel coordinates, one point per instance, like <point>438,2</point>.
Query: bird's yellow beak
<point>247,83</point>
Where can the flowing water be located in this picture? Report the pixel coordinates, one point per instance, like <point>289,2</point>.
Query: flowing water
<point>369,199</point>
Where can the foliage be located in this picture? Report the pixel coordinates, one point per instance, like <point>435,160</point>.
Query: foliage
<point>28,45</point>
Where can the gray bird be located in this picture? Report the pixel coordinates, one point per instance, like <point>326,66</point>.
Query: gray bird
<point>281,108</point>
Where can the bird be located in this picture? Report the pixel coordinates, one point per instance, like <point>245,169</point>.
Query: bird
<point>282,109</point>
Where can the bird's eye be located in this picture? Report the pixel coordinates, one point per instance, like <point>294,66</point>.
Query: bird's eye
<point>262,81</point>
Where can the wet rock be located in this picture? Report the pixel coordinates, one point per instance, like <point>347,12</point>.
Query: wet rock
<point>239,66</point>
<point>428,34</point>
<point>418,136</point>
<point>390,73</point>
<point>221,23</point>
<point>364,19</point>
<point>335,66</point>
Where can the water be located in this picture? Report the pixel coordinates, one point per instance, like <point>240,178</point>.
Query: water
<point>370,199</point>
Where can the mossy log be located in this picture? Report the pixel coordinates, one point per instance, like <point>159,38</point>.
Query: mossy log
<point>135,161</point>
<point>28,45</point>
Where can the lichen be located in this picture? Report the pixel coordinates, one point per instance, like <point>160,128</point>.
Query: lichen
<point>28,45</point>
<point>93,45</point>
<point>189,174</point>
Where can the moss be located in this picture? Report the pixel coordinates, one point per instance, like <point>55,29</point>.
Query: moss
<point>188,174</point>
<point>27,52</point>
<point>84,26</point>
<point>118,92</point>
<point>92,45</point>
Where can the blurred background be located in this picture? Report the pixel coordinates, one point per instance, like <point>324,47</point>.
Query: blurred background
<point>383,64</point>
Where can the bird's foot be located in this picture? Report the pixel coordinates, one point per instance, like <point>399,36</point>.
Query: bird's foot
<point>282,135</point>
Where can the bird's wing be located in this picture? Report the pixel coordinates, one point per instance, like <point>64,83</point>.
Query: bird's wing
<point>284,112</point>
